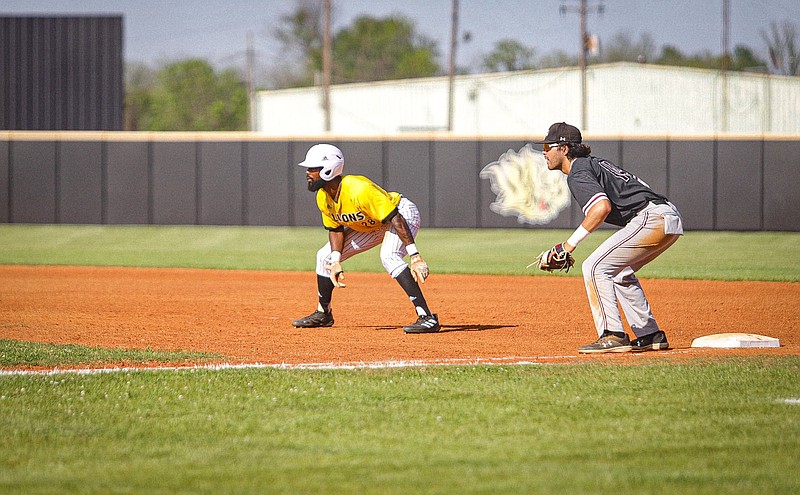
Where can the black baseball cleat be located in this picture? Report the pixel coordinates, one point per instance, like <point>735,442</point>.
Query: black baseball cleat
<point>424,324</point>
<point>608,342</point>
<point>315,320</point>
<point>656,341</point>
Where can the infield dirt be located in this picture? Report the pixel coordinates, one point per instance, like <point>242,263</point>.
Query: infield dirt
<point>247,315</point>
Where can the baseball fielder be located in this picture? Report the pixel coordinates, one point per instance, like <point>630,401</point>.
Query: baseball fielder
<point>360,215</point>
<point>649,225</point>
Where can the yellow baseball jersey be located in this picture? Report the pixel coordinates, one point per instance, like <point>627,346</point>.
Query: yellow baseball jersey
<point>362,205</point>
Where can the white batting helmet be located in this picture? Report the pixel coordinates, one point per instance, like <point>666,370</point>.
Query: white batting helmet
<point>327,156</point>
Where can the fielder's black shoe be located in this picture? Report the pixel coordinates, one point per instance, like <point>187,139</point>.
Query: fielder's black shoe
<point>424,324</point>
<point>608,342</point>
<point>656,341</point>
<point>314,320</point>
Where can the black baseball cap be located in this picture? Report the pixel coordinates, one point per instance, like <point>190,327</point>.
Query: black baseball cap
<point>561,132</point>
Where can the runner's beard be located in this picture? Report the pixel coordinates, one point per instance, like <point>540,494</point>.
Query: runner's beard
<point>316,185</point>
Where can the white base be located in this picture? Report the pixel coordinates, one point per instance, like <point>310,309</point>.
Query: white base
<point>735,341</point>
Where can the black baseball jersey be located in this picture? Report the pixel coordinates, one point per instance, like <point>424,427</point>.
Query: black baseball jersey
<point>593,179</point>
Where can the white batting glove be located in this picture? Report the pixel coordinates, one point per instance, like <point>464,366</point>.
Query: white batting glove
<point>335,273</point>
<point>419,269</point>
<point>334,267</point>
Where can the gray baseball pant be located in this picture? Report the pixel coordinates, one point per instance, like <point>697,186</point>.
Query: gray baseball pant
<point>609,272</point>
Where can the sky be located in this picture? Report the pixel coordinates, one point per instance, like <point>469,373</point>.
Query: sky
<point>159,31</point>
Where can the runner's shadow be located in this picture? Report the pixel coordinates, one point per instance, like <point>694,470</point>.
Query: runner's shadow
<point>473,328</point>
<point>455,328</point>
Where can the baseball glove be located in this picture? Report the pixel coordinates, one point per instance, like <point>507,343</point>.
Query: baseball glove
<point>554,259</point>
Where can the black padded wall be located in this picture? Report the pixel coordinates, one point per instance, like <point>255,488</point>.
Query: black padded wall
<point>61,73</point>
<point>743,185</point>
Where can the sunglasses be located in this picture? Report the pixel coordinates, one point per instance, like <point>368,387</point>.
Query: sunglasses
<point>548,147</point>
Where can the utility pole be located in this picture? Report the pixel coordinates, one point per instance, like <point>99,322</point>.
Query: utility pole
<point>326,63</point>
<point>452,66</point>
<point>583,9</point>
<point>251,94</point>
<point>726,27</point>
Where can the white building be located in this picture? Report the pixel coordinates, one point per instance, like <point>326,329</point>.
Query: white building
<point>623,99</point>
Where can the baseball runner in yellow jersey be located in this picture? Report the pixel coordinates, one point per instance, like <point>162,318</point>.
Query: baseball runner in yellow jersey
<point>360,215</point>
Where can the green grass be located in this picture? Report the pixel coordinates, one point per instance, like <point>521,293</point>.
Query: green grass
<point>771,256</point>
<point>723,426</point>
<point>15,353</point>
<point>727,425</point>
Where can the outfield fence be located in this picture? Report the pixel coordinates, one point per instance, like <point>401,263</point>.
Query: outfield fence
<point>738,184</point>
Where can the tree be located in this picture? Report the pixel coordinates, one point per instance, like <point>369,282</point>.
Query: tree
<point>622,48</point>
<point>189,96</point>
<point>371,49</point>
<point>380,49</point>
<point>558,58</point>
<point>784,51</point>
<point>300,34</point>
<point>743,59</point>
<point>509,55</point>
<point>670,55</point>
<point>139,83</point>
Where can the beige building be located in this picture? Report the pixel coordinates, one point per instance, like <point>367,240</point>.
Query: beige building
<point>622,99</point>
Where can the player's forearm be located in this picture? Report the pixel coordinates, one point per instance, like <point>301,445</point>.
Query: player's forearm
<point>594,218</point>
<point>596,215</point>
<point>403,230</point>
<point>336,240</point>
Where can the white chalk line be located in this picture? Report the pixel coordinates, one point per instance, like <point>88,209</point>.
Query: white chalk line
<point>512,360</point>
<point>412,363</point>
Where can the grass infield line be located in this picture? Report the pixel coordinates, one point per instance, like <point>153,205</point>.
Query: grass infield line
<point>509,360</point>
<point>414,363</point>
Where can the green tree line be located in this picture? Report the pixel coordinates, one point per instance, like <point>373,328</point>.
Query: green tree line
<point>191,95</point>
